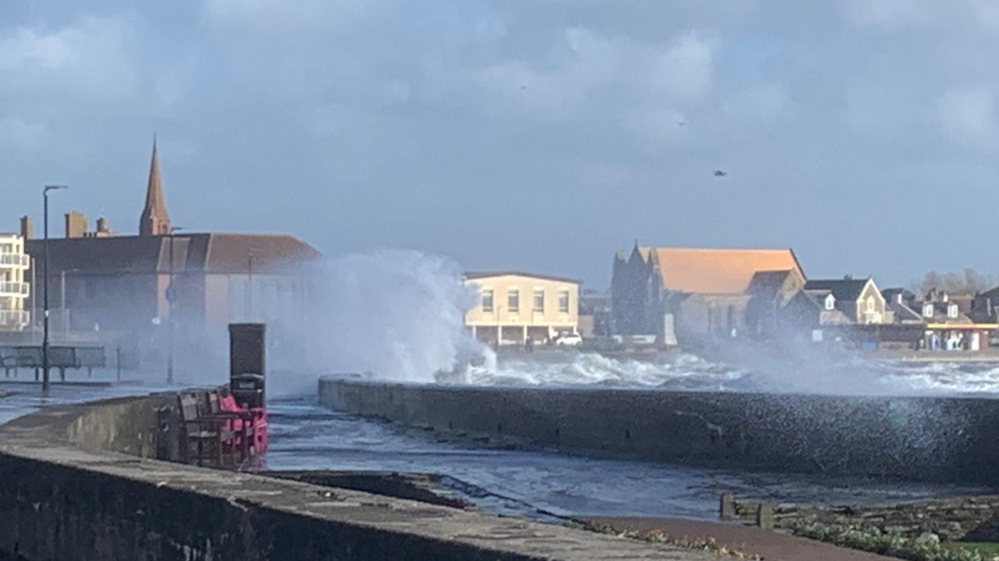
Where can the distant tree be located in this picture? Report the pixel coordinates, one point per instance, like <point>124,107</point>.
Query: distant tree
<point>968,282</point>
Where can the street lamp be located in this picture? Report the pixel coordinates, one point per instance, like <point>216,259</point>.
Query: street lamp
<point>45,274</point>
<point>249,282</point>
<point>171,296</point>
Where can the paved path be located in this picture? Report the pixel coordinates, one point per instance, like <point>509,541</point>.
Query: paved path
<point>771,546</point>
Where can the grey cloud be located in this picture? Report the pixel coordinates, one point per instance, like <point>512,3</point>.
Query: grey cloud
<point>517,133</point>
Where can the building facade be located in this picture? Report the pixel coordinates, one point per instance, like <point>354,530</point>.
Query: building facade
<point>140,288</point>
<point>15,289</point>
<point>514,307</point>
<point>848,301</point>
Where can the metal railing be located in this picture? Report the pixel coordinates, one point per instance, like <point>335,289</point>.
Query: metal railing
<point>13,289</point>
<point>14,260</point>
<point>16,318</point>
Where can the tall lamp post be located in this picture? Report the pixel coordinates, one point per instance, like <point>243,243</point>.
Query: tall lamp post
<point>45,274</point>
<point>171,296</point>
<point>249,283</point>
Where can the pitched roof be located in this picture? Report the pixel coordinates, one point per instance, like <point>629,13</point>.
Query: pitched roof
<point>903,312</point>
<point>842,289</point>
<point>473,275</point>
<point>716,271</point>
<point>768,282</point>
<point>208,253</point>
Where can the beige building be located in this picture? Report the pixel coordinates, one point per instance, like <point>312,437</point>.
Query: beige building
<point>14,288</point>
<point>513,307</point>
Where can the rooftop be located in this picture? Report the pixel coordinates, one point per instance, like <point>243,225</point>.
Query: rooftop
<point>717,271</point>
<point>474,275</point>
<point>841,289</point>
<point>212,253</point>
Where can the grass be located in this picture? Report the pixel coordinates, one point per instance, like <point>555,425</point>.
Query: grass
<point>987,550</point>
<point>924,548</point>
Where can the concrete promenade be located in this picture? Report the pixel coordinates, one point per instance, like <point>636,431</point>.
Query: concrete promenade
<point>76,482</point>
<point>915,438</point>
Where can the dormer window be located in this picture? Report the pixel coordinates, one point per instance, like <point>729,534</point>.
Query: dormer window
<point>927,310</point>
<point>830,302</point>
<point>952,311</point>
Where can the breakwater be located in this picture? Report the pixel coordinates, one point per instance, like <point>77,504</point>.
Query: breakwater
<point>945,439</point>
<point>79,482</point>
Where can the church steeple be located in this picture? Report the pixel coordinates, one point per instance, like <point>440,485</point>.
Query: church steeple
<point>154,221</point>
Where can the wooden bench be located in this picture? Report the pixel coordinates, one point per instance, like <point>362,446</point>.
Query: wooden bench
<point>207,438</point>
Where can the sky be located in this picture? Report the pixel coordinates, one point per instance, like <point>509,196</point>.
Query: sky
<point>539,135</point>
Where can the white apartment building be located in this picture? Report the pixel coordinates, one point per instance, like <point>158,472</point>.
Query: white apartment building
<point>14,288</point>
<point>514,307</point>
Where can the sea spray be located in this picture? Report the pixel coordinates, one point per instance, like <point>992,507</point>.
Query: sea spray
<point>390,315</point>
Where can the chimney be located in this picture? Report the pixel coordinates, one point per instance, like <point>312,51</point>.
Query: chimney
<point>76,224</point>
<point>27,229</point>
<point>944,297</point>
<point>900,298</point>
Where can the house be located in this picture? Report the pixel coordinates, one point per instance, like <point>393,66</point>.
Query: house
<point>900,302</point>
<point>513,307</point>
<point>770,292</point>
<point>849,301</point>
<point>692,294</point>
<point>946,327</point>
<point>14,286</point>
<point>937,321</point>
<point>985,307</point>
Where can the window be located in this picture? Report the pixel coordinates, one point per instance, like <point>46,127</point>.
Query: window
<point>513,300</point>
<point>952,311</point>
<point>870,304</point>
<point>563,301</point>
<point>928,310</point>
<point>830,302</point>
<point>539,300</point>
<point>487,300</point>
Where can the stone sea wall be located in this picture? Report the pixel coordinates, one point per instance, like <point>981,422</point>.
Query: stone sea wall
<point>917,438</point>
<point>68,492</point>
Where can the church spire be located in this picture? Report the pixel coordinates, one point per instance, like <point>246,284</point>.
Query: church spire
<point>154,221</point>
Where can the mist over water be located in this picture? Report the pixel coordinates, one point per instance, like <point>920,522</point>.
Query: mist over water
<point>398,315</point>
<point>392,315</point>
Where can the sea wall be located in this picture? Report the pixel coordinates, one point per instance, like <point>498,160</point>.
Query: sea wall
<point>918,438</point>
<point>68,492</point>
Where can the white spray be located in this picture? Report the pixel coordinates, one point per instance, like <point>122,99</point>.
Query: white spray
<point>391,315</point>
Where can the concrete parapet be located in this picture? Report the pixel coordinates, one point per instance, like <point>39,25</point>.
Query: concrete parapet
<point>65,494</point>
<point>917,438</point>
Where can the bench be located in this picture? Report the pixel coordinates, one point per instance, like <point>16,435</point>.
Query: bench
<point>62,358</point>
<point>207,438</point>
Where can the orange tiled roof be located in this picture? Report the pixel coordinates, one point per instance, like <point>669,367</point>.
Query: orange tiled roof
<point>717,271</point>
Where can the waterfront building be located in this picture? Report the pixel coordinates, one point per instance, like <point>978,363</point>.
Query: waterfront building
<point>690,294</point>
<point>845,301</point>
<point>14,286</point>
<point>513,307</point>
<point>104,282</point>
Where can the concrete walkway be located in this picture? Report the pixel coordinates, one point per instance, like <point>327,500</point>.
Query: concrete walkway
<point>771,546</point>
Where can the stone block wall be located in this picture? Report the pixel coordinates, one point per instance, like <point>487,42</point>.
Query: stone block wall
<point>918,438</point>
<point>66,494</point>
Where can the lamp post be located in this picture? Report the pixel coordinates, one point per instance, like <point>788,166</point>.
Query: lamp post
<point>45,274</point>
<point>171,296</point>
<point>249,284</point>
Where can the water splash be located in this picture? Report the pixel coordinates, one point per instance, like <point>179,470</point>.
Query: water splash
<point>848,375</point>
